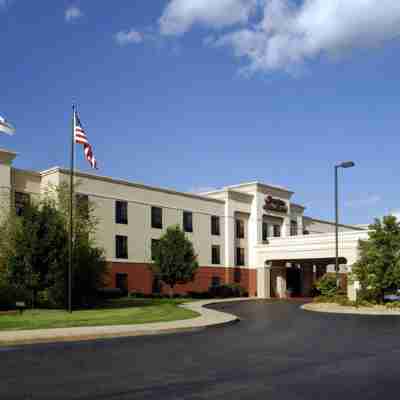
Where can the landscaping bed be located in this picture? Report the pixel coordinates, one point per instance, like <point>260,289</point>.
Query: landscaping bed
<point>352,308</point>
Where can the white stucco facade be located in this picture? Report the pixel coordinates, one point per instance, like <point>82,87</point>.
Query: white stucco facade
<point>272,228</point>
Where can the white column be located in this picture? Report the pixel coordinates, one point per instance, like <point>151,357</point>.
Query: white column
<point>6,159</point>
<point>229,234</point>
<point>254,231</point>
<point>286,227</point>
<point>264,282</point>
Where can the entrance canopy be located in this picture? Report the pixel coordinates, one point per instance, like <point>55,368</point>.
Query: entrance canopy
<point>305,251</point>
<point>310,248</point>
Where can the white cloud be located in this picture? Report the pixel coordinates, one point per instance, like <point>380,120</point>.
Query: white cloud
<point>365,201</point>
<point>284,34</point>
<point>180,15</point>
<point>73,13</point>
<point>131,36</point>
<point>290,35</point>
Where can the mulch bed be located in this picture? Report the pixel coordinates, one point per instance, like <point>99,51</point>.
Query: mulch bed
<point>11,312</point>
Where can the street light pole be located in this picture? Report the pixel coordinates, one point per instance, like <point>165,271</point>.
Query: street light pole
<point>337,227</point>
<point>347,164</point>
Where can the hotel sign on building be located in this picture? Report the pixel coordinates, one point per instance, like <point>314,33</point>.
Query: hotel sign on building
<point>251,233</point>
<point>277,205</point>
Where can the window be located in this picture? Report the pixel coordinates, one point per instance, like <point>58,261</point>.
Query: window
<point>121,282</point>
<point>264,231</point>
<point>277,230</point>
<point>215,281</point>
<point>22,200</point>
<point>215,226</point>
<point>121,246</point>
<point>240,256</point>
<point>216,255</point>
<point>82,205</point>
<point>293,228</point>
<point>156,217</point>
<point>121,212</point>
<point>154,244</point>
<point>187,221</point>
<point>239,229</point>
<point>157,284</point>
<point>237,275</point>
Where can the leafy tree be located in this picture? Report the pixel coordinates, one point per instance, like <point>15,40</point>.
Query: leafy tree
<point>378,268</point>
<point>34,250</point>
<point>26,249</point>
<point>175,261</point>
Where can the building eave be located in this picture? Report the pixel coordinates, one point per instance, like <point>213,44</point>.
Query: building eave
<point>131,184</point>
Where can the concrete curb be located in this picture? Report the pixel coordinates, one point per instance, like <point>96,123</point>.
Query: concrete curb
<point>338,309</point>
<point>207,318</point>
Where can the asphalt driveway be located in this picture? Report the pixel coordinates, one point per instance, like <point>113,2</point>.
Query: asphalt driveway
<point>277,351</point>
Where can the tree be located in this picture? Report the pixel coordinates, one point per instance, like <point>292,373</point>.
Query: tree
<point>175,261</point>
<point>32,243</point>
<point>378,268</point>
<point>34,250</point>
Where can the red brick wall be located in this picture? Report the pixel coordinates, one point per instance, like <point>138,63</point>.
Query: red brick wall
<point>140,278</point>
<point>202,281</point>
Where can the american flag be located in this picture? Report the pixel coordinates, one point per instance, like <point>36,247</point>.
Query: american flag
<point>81,138</point>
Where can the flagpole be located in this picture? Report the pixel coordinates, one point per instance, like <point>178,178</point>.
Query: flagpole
<point>71,205</point>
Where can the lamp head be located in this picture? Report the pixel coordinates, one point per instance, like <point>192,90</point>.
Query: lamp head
<point>347,164</point>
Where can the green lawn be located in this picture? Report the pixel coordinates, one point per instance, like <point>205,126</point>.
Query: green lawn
<point>117,312</point>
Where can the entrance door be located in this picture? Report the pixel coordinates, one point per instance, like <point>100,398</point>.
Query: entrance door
<point>293,281</point>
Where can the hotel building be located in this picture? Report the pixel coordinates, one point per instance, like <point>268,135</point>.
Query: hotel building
<point>251,233</point>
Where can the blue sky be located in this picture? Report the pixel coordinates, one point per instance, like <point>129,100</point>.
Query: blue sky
<point>197,94</point>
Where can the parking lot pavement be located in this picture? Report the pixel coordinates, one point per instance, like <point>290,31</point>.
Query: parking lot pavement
<point>277,351</point>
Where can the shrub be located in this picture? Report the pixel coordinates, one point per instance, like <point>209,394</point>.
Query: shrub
<point>228,290</point>
<point>109,293</point>
<point>327,285</point>
<point>200,295</point>
<point>9,295</point>
<point>44,300</point>
<point>369,296</point>
<point>137,295</point>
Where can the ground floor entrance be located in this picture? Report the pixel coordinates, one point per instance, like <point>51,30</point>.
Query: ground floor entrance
<point>297,278</point>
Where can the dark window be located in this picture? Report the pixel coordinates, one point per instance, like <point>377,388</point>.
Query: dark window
<point>239,229</point>
<point>215,226</point>
<point>121,282</point>
<point>264,231</point>
<point>306,232</point>
<point>82,205</point>
<point>154,246</point>
<point>277,230</point>
<point>216,255</point>
<point>121,246</point>
<point>121,212</point>
<point>293,228</point>
<point>215,281</point>
<point>156,217</point>
<point>239,256</point>
<point>22,200</point>
<point>187,221</point>
<point>157,284</point>
<point>237,275</point>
